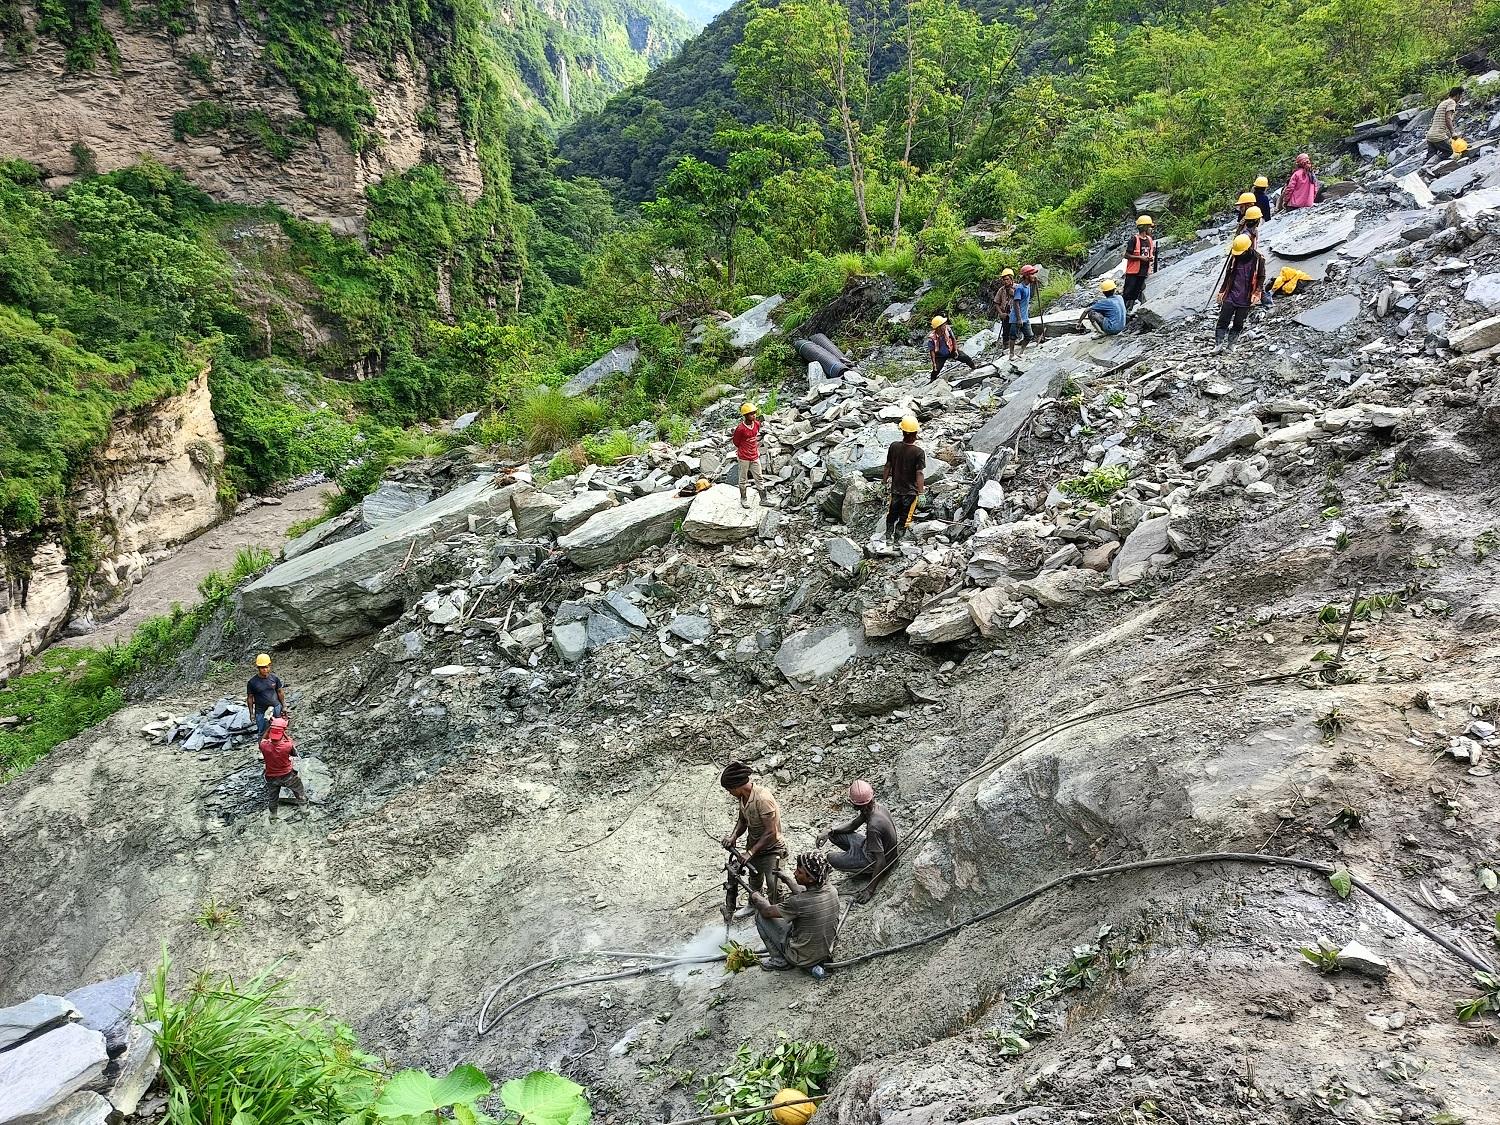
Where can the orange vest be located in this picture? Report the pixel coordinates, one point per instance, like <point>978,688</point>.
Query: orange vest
<point>1148,250</point>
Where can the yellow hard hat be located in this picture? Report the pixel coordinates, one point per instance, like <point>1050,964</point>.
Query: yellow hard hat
<point>791,1107</point>
<point>700,484</point>
<point>1460,146</point>
<point>1245,197</point>
<point>1144,221</point>
<point>939,321</point>
<point>1253,213</point>
<point>262,661</point>
<point>1107,285</point>
<point>1007,272</point>
<point>1241,244</point>
<point>748,408</point>
<point>908,425</point>
<point>1261,181</point>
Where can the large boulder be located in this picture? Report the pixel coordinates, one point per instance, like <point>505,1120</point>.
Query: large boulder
<point>1182,289</point>
<point>1147,540</point>
<point>1332,315</point>
<point>624,532</point>
<point>622,358</point>
<point>1239,433</point>
<point>40,1073</point>
<point>753,325</point>
<point>1312,230</point>
<point>392,500</point>
<point>1475,337</point>
<point>109,1006</point>
<point>347,589</point>
<point>716,516</point>
<point>943,623</point>
<point>1059,589</point>
<point>576,512</point>
<point>811,656</point>
<point>533,509</point>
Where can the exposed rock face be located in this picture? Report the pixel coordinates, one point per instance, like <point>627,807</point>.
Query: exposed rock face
<point>33,608</point>
<point>125,112</point>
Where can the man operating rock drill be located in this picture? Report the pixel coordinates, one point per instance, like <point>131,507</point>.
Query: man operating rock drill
<point>801,930</point>
<point>760,823</point>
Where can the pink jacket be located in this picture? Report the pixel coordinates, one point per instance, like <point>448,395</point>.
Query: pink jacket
<point>1301,190</point>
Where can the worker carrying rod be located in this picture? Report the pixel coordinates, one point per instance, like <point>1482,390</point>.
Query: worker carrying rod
<point>760,823</point>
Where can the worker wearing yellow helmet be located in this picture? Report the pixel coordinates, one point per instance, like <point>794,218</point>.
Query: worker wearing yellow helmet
<point>1263,195</point>
<point>746,438</point>
<point>1243,288</point>
<point>1003,306</point>
<point>1106,316</point>
<point>1140,260</point>
<point>942,345</point>
<point>264,696</point>
<point>1243,204</point>
<point>905,473</point>
<point>1442,135</point>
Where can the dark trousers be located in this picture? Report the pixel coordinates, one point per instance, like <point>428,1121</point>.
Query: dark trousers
<point>774,932</point>
<point>851,853</point>
<point>274,786</point>
<point>1233,317</point>
<point>764,875</point>
<point>900,510</point>
<point>1441,150</point>
<point>938,361</point>
<point>1135,288</point>
<point>263,719</point>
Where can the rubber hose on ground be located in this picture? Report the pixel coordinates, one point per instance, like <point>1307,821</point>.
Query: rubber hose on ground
<point>809,352</point>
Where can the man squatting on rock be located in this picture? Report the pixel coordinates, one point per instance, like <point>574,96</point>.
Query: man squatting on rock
<point>801,930</point>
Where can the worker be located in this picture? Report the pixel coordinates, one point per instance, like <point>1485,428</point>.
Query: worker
<point>746,438</point>
<point>1263,194</point>
<point>1107,314</point>
<point>871,853</point>
<point>942,346</point>
<point>760,823</point>
<point>1140,260</point>
<point>1444,128</point>
<point>1028,293</point>
<point>1250,222</point>
<point>1302,187</point>
<point>277,751</point>
<point>906,474</point>
<point>801,930</point>
<point>1244,283</point>
<point>1242,204</point>
<point>264,697</point>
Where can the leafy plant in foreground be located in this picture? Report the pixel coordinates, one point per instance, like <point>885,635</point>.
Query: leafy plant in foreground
<point>754,1079</point>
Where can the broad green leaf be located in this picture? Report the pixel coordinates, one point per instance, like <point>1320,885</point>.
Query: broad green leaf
<point>1342,883</point>
<point>544,1098</point>
<point>412,1093</point>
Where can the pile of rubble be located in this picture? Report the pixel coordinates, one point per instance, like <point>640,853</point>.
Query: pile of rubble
<point>79,1059</point>
<point>221,724</point>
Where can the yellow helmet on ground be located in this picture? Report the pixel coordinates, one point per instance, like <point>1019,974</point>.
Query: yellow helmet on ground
<point>1253,213</point>
<point>748,408</point>
<point>1460,146</point>
<point>791,1107</point>
<point>1245,197</point>
<point>1261,181</point>
<point>908,425</point>
<point>1241,244</point>
<point>1107,285</point>
<point>1144,221</point>
<point>939,321</point>
<point>701,484</point>
<point>262,661</point>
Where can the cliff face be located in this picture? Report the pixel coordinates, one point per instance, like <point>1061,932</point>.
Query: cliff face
<point>151,486</point>
<point>210,101</point>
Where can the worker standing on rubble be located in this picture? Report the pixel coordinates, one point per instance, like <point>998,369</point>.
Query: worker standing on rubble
<point>942,345</point>
<point>760,823</point>
<point>1028,292</point>
<point>1140,260</point>
<point>277,751</point>
<point>746,438</point>
<point>800,931</point>
<point>1242,290</point>
<point>871,853</point>
<point>906,474</point>
<point>264,698</point>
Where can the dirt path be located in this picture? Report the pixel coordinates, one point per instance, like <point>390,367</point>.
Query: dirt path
<point>174,580</point>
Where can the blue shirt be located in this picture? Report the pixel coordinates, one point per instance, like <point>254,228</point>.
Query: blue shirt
<point>1021,310</point>
<point>1112,305</point>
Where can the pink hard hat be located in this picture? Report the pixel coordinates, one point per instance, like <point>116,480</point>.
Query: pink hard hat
<point>861,793</point>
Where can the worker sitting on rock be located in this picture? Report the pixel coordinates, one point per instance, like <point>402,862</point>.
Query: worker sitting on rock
<point>942,346</point>
<point>760,823</point>
<point>870,853</point>
<point>1243,289</point>
<point>1140,260</point>
<point>277,751</point>
<point>1106,315</point>
<point>905,473</point>
<point>264,698</point>
<point>746,438</point>
<point>800,931</point>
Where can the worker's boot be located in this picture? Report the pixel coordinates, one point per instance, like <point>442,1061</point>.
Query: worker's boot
<point>772,963</point>
<point>744,499</point>
<point>1221,340</point>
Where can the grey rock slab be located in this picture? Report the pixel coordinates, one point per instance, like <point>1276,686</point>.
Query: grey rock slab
<point>716,515</point>
<point>1059,589</point>
<point>690,627</point>
<point>1239,433</point>
<point>83,1108</point>
<point>811,656</point>
<point>1181,289</point>
<point>1149,538</point>
<point>570,641</point>
<point>1330,316</point>
<point>1475,337</point>
<point>863,454</point>
<point>845,554</point>
<point>40,1013</point>
<point>1312,230</point>
<point>1356,957</point>
<point>109,1006</point>
<point>533,509</point>
<point>1485,290</point>
<point>393,500</point>
<point>347,589</point>
<point>37,1075</point>
<point>626,610</point>
<point>603,629</point>
<point>576,512</point>
<point>315,536</point>
<point>138,1067</point>
<point>753,325</point>
<point>943,623</point>
<point>1044,377</point>
<point>623,532</point>
<point>613,362</point>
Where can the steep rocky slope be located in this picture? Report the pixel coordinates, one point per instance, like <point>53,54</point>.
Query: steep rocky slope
<point>517,697</point>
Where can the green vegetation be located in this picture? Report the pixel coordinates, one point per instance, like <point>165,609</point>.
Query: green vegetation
<point>1097,485</point>
<point>245,1053</point>
<point>754,1078</point>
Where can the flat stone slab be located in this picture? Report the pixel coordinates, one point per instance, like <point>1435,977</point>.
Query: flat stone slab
<point>575,512</point>
<point>1312,230</point>
<point>811,656</point>
<point>31,1016</point>
<point>1182,289</point>
<point>716,516</point>
<point>622,358</point>
<point>37,1075</point>
<point>623,532</point>
<point>1475,337</point>
<point>1045,375</point>
<point>347,589</point>
<point>1149,538</point>
<point>753,325</point>
<point>109,1006</point>
<point>393,500</point>
<point>1239,433</point>
<point>1332,315</point>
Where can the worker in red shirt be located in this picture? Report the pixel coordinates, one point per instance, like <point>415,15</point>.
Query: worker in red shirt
<point>746,438</point>
<point>277,750</point>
